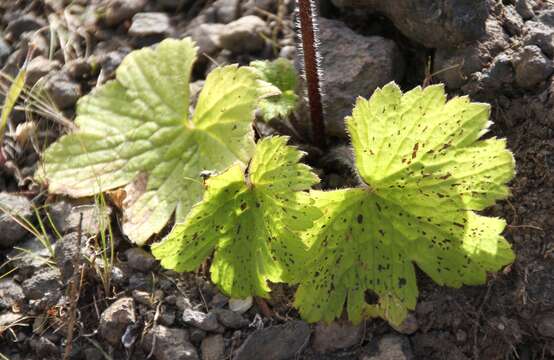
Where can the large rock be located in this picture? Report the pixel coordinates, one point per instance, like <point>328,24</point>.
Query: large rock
<point>432,23</point>
<point>13,207</point>
<point>66,217</point>
<point>455,65</point>
<point>276,342</point>
<point>169,344</point>
<point>353,65</point>
<point>115,319</point>
<point>390,347</point>
<point>336,335</point>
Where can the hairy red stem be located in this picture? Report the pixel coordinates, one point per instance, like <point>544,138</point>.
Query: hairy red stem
<point>306,14</point>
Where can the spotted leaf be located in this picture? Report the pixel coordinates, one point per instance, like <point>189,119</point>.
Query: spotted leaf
<point>424,172</point>
<point>251,220</point>
<point>136,131</point>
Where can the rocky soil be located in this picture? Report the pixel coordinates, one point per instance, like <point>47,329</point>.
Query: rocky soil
<point>501,52</point>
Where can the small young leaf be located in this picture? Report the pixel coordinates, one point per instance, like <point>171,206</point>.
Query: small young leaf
<point>281,74</point>
<point>425,172</point>
<point>136,131</point>
<point>251,221</point>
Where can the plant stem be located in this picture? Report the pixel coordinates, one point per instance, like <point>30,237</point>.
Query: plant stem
<point>308,32</point>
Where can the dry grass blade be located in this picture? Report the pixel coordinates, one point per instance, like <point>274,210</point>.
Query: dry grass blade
<point>12,95</point>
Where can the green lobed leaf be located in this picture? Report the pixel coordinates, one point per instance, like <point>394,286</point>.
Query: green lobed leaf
<point>251,221</point>
<point>281,74</point>
<point>425,171</point>
<point>136,132</point>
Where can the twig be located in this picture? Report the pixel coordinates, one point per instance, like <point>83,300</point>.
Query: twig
<point>74,290</point>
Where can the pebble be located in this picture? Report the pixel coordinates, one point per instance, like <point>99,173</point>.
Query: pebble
<point>40,67</point>
<point>5,51</point>
<point>226,10</point>
<point>207,38</point>
<point>390,347</point>
<point>67,248</point>
<point>546,325</point>
<point>34,255</point>
<point>170,344</point>
<point>230,319</point>
<point>63,91</point>
<point>21,24</point>
<point>140,260</point>
<point>336,335</point>
<point>203,321</point>
<point>12,207</point>
<point>120,10</point>
<point>532,67</point>
<point>241,305</point>
<point>243,35</point>
<point>66,217</point>
<point>11,293</point>
<point>148,24</point>
<point>213,348</point>
<point>115,319</point>
<point>44,281</point>
<point>275,342</point>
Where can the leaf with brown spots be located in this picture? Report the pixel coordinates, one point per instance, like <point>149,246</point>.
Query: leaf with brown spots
<point>425,172</point>
<point>251,220</point>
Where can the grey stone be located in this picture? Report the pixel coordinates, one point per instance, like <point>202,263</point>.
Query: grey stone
<point>336,335</point>
<point>12,208</point>
<point>243,35</point>
<point>115,319</point>
<point>532,67</point>
<point>431,23</point>
<point>390,347</point>
<point>34,255</point>
<point>66,217</point>
<point>143,297</point>
<point>148,24</point>
<point>541,35</point>
<point>118,11</point>
<point>513,22</point>
<point>5,51</point>
<point>203,321</point>
<point>139,259</point>
<point>44,281</point>
<point>170,344</point>
<point>43,348</point>
<point>456,65</point>
<point>167,317</point>
<point>66,252</point>
<point>207,37</point>
<point>21,24</point>
<point>546,16</point>
<point>11,293</point>
<point>78,69</point>
<point>63,91</point>
<point>546,325</point>
<point>524,9</point>
<point>226,10</point>
<point>354,65</point>
<point>230,319</point>
<point>40,67</point>
<point>276,342</point>
<point>213,348</point>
